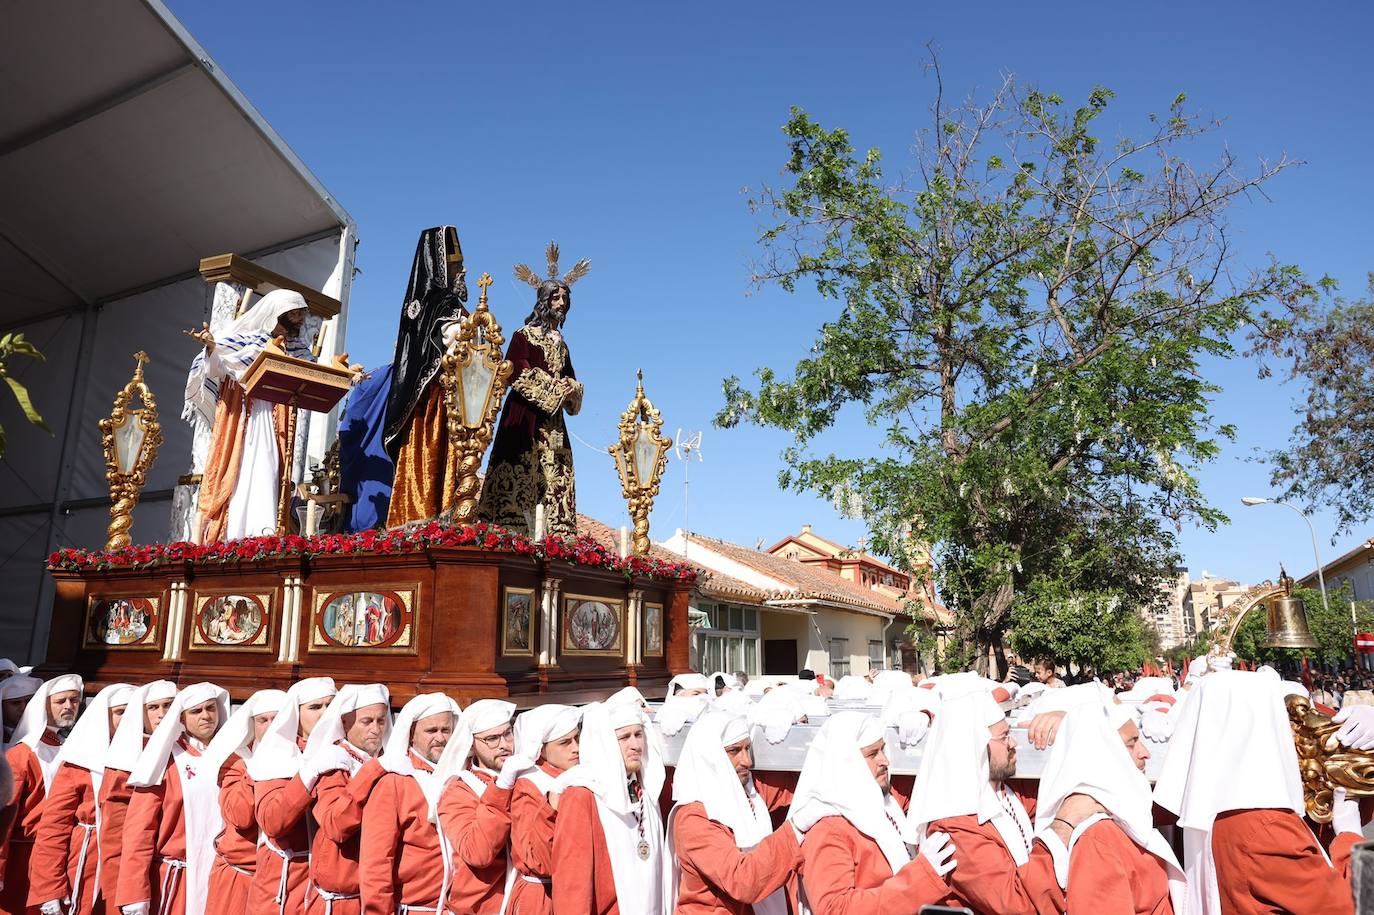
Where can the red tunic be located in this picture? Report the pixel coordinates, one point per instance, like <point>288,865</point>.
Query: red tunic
<point>334,853</point>
<point>1111,875</point>
<point>400,863</point>
<point>155,834</point>
<point>987,878</point>
<point>845,873</point>
<point>720,879</point>
<point>1269,861</point>
<point>282,809</point>
<point>531,846</point>
<point>478,829</point>
<point>236,846</point>
<point>585,884</point>
<point>65,838</point>
<point>115,795</point>
<point>16,845</point>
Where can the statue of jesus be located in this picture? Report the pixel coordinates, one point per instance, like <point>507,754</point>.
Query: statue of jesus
<point>531,459</point>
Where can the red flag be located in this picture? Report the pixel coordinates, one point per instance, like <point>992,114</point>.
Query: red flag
<point>1306,673</point>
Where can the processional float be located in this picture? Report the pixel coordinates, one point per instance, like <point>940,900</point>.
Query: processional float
<point>452,604</point>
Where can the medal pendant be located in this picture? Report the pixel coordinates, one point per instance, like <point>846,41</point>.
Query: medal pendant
<point>643,850</point>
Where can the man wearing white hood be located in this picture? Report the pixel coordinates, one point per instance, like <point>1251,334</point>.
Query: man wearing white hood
<point>690,684</point>
<point>1231,776</point>
<point>403,867</point>
<point>15,693</point>
<point>961,789</point>
<point>48,716</point>
<point>608,840</point>
<point>476,774</point>
<point>549,735</point>
<point>342,749</point>
<point>64,872</point>
<point>1117,862</point>
<point>725,857</point>
<point>144,711</point>
<point>281,803</point>
<point>236,846</point>
<point>858,846</point>
<point>174,814</point>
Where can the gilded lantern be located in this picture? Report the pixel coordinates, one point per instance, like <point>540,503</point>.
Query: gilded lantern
<point>640,456</point>
<point>130,437</point>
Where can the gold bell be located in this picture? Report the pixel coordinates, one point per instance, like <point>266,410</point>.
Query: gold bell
<point>1286,626</point>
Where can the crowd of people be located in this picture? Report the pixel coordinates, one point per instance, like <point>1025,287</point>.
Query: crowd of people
<point>154,799</point>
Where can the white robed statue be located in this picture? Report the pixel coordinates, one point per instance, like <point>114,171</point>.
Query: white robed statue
<point>242,482</point>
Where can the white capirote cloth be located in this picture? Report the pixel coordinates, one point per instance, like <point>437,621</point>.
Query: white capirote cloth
<point>278,754</point>
<point>835,781</point>
<point>1089,757</point>
<point>1232,749</point>
<point>955,775</point>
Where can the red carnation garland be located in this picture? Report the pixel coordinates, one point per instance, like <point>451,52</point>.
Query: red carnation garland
<point>581,550</point>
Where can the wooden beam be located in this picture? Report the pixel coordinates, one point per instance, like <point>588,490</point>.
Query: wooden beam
<point>231,268</point>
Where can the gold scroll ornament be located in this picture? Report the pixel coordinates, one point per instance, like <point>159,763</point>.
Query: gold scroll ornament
<point>1324,763</point>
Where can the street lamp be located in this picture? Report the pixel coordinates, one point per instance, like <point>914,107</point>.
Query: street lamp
<point>473,376</point>
<point>1316,554</point>
<point>130,438</point>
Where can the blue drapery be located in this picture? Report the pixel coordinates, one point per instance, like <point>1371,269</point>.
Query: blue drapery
<point>365,470</point>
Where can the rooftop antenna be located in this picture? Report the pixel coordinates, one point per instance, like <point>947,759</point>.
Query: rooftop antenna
<point>687,448</point>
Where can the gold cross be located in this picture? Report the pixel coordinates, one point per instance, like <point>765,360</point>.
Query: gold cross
<point>484,282</point>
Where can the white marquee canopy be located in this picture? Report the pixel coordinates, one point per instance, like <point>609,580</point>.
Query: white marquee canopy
<point>126,156</point>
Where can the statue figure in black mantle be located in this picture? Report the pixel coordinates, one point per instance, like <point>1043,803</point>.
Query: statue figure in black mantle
<point>415,433</point>
<point>531,461</point>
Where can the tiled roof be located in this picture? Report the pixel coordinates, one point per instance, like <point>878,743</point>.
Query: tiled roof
<point>842,553</point>
<point>709,581</point>
<point>806,582</point>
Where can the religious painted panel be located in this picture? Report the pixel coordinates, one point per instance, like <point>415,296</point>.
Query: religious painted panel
<point>517,621</point>
<point>231,620</point>
<point>653,630</point>
<point>123,622</point>
<point>593,625</point>
<point>380,619</point>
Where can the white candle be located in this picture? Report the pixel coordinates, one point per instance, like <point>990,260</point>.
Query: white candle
<point>624,541</point>
<point>539,521</point>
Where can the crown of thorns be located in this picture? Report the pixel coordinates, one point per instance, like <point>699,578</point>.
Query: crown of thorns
<point>579,270</point>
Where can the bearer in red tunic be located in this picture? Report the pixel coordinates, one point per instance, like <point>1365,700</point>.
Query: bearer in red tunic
<point>64,872</point>
<point>858,847</point>
<point>173,818</point>
<point>236,845</point>
<point>476,775</point>
<point>549,735</point>
<point>403,868</point>
<point>154,699</point>
<point>340,773</point>
<point>1117,863</point>
<point>962,789</point>
<point>281,802</point>
<point>608,839</point>
<point>49,714</point>
<point>725,857</point>
<point>1231,776</point>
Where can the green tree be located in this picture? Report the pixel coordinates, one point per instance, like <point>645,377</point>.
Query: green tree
<point>16,345</point>
<point>1330,627</point>
<point>1022,318</point>
<point>1327,345</point>
<point>1098,630</point>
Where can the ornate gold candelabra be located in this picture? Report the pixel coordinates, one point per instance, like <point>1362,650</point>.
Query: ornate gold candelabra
<point>1324,763</point>
<point>130,437</point>
<point>474,377</point>
<point>640,457</point>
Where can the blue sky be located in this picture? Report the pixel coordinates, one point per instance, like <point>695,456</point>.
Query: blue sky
<point>629,131</point>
